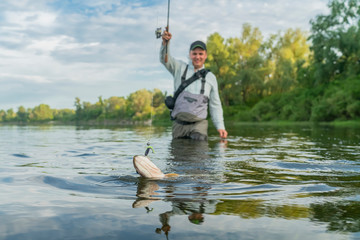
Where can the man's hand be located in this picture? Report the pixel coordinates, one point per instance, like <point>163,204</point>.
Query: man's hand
<point>223,133</point>
<point>166,36</point>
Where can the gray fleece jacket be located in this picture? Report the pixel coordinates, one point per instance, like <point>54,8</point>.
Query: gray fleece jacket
<point>177,68</point>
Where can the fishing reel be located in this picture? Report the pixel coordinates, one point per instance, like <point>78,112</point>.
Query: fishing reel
<point>158,32</point>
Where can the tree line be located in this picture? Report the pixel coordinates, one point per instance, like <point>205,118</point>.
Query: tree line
<point>292,75</point>
<point>141,105</point>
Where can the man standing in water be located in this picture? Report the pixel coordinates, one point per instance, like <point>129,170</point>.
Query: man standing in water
<point>190,110</point>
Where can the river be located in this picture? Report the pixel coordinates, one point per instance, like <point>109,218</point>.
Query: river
<point>265,181</point>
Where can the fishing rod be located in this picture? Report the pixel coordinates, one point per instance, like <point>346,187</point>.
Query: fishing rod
<point>158,32</point>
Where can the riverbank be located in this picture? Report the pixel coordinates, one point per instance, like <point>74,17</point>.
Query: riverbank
<point>228,124</point>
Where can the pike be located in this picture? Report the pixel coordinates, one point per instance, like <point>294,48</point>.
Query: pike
<point>148,169</point>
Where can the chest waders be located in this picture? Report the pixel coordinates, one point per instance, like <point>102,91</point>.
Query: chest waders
<point>190,113</point>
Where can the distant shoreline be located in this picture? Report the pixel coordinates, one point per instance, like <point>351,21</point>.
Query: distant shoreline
<point>350,123</point>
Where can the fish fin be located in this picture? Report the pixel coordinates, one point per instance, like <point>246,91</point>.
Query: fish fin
<point>171,175</point>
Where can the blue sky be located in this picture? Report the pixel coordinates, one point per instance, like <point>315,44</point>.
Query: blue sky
<point>52,51</point>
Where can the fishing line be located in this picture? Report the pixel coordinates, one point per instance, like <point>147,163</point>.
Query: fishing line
<point>151,116</point>
<point>152,91</point>
<point>158,35</point>
<point>167,29</point>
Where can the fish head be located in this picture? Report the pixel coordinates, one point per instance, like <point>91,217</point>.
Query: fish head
<point>146,168</point>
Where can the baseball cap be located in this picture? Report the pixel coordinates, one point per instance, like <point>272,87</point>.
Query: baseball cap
<point>198,44</point>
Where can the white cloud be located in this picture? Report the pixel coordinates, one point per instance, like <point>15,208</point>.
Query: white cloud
<point>61,42</point>
<point>26,19</point>
<point>27,78</point>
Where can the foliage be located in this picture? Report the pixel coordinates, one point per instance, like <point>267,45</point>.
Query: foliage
<point>336,41</point>
<point>64,115</point>
<point>288,55</point>
<point>138,106</point>
<point>42,113</point>
<point>308,82</point>
<point>249,68</point>
<point>339,101</point>
<point>220,63</point>
<point>115,108</point>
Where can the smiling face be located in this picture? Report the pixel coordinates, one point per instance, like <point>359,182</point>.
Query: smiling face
<point>198,57</point>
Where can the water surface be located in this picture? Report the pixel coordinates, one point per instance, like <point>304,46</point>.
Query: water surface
<point>264,182</point>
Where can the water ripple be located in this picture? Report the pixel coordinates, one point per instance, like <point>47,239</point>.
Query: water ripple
<point>266,176</point>
<point>94,185</point>
<point>20,155</point>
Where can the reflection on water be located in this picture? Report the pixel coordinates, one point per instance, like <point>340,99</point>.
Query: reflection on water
<point>192,160</point>
<point>194,208</point>
<point>264,182</point>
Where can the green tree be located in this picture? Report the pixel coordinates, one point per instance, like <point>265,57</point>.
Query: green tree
<point>10,115</point>
<point>91,111</point>
<point>287,54</point>
<point>101,105</point>
<point>2,115</point>
<point>64,115</point>
<point>78,109</point>
<point>220,64</point>
<point>336,41</point>
<point>158,98</point>
<point>139,105</point>
<point>250,66</point>
<point>238,65</point>
<point>159,109</point>
<point>22,114</point>
<point>116,107</point>
<point>42,113</point>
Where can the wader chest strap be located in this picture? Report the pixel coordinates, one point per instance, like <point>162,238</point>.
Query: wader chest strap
<point>183,77</point>
<point>203,80</point>
<point>202,85</point>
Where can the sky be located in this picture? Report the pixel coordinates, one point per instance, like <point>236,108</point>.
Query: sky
<point>52,51</point>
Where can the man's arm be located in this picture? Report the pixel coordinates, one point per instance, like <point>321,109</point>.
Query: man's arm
<point>164,50</point>
<point>215,107</point>
<point>174,66</point>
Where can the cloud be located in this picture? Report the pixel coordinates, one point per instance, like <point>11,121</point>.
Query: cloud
<point>58,43</point>
<point>21,20</point>
<point>52,51</point>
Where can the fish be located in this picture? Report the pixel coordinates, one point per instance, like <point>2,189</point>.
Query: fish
<point>148,169</point>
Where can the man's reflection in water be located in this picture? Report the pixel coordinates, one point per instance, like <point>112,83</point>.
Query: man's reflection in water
<point>199,168</point>
<point>189,157</point>
<point>195,159</point>
<point>194,209</point>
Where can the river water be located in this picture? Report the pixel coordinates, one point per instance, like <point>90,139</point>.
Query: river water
<point>265,182</point>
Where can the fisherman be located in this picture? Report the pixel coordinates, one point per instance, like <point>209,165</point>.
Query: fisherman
<point>190,110</point>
